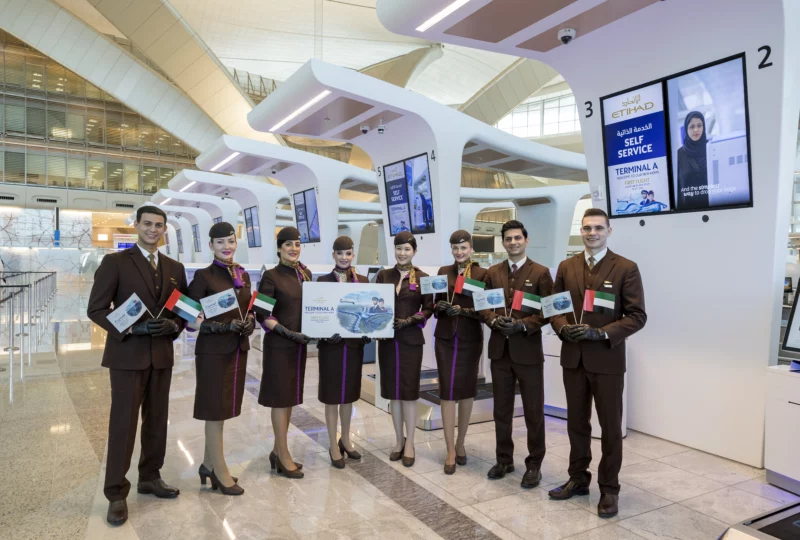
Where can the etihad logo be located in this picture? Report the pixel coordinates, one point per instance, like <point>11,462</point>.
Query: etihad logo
<point>633,105</point>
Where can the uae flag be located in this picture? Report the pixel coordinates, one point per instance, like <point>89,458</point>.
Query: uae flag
<point>183,306</point>
<point>598,302</point>
<point>468,286</point>
<point>261,304</point>
<point>526,302</point>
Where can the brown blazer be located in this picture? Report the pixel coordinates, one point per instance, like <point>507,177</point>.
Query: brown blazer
<point>352,343</point>
<point>607,356</point>
<point>533,278</point>
<point>282,284</point>
<point>118,277</point>
<point>408,303</point>
<point>446,327</point>
<point>212,280</point>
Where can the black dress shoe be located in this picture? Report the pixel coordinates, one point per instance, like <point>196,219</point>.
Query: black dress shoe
<point>338,463</point>
<point>608,506</point>
<point>159,488</point>
<point>235,489</point>
<point>345,452</point>
<point>205,473</point>
<point>449,469</point>
<point>117,512</point>
<point>531,478</point>
<point>396,456</point>
<point>273,458</point>
<point>568,490</point>
<point>499,470</point>
<point>409,461</point>
<point>296,473</point>
<point>461,460</point>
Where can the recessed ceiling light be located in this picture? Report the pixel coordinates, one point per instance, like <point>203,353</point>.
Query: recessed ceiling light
<point>441,15</point>
<point>224,161</point>
<point>310,103</point>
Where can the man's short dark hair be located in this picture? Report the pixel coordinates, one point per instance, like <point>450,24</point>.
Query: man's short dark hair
<point>150,210</point>
<point>592,212</point>
<point>644,192</point>
<point>381,300</point>
<point>513,224</point>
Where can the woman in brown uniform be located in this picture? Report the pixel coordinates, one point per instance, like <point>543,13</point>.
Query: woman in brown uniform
<point>400,358</point>
<point>340,362</point>
<point>284,346</point>
<point>459,344</point>
<point>221,354</point>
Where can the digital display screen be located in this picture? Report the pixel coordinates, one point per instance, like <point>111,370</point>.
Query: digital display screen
<point>196,237</point>
<point>252,227</point>
<point>787,284</point>
<point>409,195</point>
<point>679,144</point>
<point>307,215</point>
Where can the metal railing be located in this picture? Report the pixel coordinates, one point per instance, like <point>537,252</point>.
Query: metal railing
<point>27,298</point>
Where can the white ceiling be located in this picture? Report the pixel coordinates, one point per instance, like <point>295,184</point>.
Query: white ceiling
<point>273,38</point>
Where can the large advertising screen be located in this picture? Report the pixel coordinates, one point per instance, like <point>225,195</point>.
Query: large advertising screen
<point>409,195</point>
<point>679,144</point>
<point>307,216</point>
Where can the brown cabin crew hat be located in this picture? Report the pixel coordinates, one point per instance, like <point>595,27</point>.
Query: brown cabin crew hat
<point>460,236</point>
<point>222,229</point>
<point>343,243</point>
<point>405,237</point>
<point>287,233</point>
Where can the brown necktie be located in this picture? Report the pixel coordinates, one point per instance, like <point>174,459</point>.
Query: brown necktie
<point>153,261</point>
<point>513,269</point>
<point>591,263</point>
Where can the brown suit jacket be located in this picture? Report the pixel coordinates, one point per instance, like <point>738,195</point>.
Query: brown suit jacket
<point>407,303</point>
<point>118,277</point>
<point>281,283</point>
<point>533,278</point>
<point>352,343</point>
<point>212,280</point>
<point>446,327</point>
<point>607,356</point>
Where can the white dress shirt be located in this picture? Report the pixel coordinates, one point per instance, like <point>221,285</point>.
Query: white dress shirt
<point>146,254</point>
<point>597,258</point>
<point>518,263</point>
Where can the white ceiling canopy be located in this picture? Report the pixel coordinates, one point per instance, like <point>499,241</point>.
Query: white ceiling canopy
<point>273,38</point>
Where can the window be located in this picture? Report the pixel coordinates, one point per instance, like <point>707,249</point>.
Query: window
<point>57,123</point>
<point>165,175</point>
<point>217,220</point>
<point>76,172</point>
<point>113,128</point>
<point>15,167</point>
<point>196,237</point>
<point>95,128</point>
<point>180,240</point>
<point>253,228</point>
<point>56,170</point>
<point>97,174</point>
<point>15,116</point>
<point>539,116</point>
<point>149,179</point>
<point>36,171</point>
<point>132,178</point>
<point>114,182</point>
<point>76,126</point>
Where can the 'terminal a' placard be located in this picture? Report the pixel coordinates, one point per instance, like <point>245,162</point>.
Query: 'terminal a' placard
<point>348,309</point>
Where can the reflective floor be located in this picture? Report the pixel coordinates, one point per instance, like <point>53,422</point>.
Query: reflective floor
<point>53,434</point>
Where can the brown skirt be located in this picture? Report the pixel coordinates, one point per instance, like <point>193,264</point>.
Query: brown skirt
<point>282,376</point>
<point>220,385</point>
<point>401,365</point>
<point>340,373</point>
<point>458,362</point>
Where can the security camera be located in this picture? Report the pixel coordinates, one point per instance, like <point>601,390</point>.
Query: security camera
<point>381,127</point>
<point>274,170</point>
<point>364,129</point>
<point>565,35</point>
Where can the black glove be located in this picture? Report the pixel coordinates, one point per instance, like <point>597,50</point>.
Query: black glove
<point>249,326</point>
<point>141,329</point>
<point>567,333</point>
<point>442,306</point>
<point>335,339</point>
<point>213,327</point>
<point>454,311</point>
<point>399,324</point>
<point>584,331</point>
<point>297,337</point>
<point>365,340</point>
<point>508,328</point>
<point>163,327</point>
<point>497,321</point>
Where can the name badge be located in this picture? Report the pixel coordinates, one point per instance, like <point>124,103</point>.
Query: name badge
<point>607,284</point>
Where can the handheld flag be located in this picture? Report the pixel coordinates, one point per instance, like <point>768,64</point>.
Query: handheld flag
<point>183,306</point>
<point>526,302</point>
<point>433,284</point>
<point>598,302</point>
<point>556,304</point>
<point>128,313</point>
<point>262,304</point>
<point>219,303</point>
<point>491,299</point>
<point>467,286</point>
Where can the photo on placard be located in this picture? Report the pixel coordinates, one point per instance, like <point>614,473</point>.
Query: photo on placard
<point>709,137</point>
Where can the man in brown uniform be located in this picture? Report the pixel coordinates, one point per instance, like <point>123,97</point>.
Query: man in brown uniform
<point>139,359</point>
<point>515,350</point>
<point>593,355</point>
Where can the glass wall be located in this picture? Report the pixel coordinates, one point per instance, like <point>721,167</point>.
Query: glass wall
<point>542,116</point>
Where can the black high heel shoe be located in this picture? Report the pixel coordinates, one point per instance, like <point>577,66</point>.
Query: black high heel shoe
<point>297,473</point>
<point>461,460</point>
<point>205,473</point>
<point>338,463</point>
<point>273,457</point>
<point>395,456</point>
<point>344,451</point>
<point>235,489</point>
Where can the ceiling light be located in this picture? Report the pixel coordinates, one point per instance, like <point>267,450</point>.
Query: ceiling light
<point>165,201</point>
<point>224,161</point>
<point>441,15</point>
<point>187,186</point>
<point>311,103</point>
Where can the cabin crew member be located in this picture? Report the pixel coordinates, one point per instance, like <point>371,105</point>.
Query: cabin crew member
<point>593,356</point>
<point>139,359</point>
<point>459,344</point>
<point>515,350</point>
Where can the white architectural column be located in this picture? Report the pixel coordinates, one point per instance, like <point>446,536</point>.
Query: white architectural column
<point>354,229</point>
<point>194,216</point>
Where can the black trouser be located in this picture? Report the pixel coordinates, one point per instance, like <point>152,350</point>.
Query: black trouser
<point>131,389</point>
<point>505,373</point>
<point>581,386</point>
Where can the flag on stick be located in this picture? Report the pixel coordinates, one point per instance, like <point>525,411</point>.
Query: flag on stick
<point>467,286</point>
<point>262,304</point>
<point>183,306</point>
<point>526,302</point>
<point>598,302</point>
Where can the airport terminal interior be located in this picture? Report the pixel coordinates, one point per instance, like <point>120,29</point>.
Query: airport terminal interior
<point>298,123</point>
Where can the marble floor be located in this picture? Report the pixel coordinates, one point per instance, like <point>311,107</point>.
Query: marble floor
<point>53,434</point>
